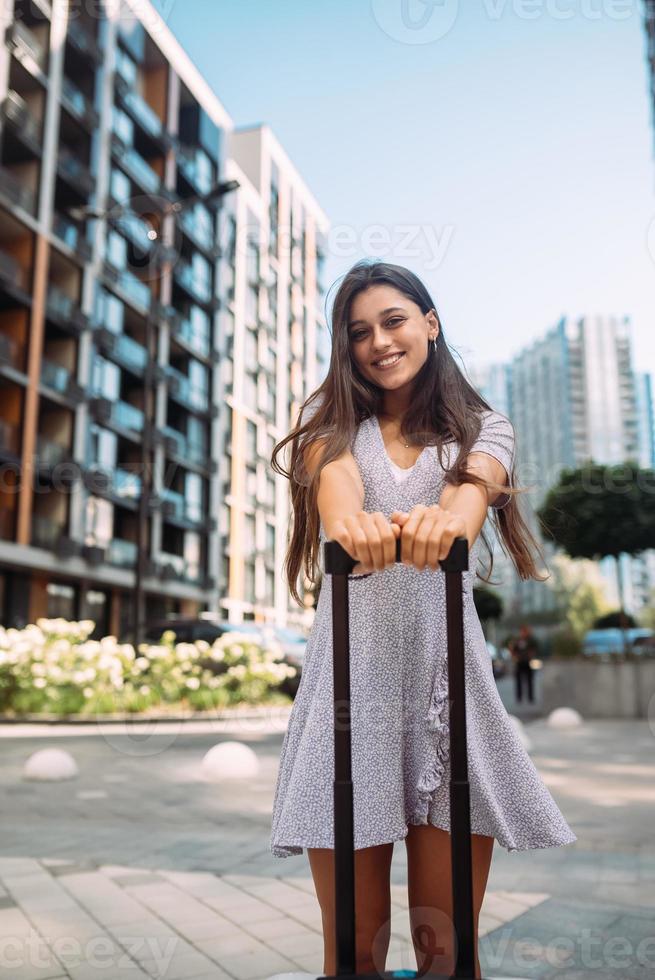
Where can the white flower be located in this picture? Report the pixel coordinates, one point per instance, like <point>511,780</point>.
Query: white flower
<point>40,682</point>
<point>144,689</point>
<point>193,683</point>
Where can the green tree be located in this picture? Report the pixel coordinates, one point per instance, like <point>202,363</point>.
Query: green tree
<point>600,511</point>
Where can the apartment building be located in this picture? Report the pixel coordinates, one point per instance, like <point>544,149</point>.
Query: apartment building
<point>146,363</point>
<point>282,245</point>
<point>574,397</point>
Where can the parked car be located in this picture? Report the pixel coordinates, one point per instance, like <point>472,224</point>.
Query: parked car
<point>294,644</point>
<point>189,629</point>
<point>610,640</point>
<point>210,628</point>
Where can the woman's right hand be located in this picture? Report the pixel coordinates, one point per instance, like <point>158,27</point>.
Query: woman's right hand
<point>370,538</point>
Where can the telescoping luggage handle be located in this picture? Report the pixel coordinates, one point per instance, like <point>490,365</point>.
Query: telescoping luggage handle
<point>339,564</point>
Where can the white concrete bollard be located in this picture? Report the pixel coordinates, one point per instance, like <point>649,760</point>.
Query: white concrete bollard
<point>564,718</point>
<point>50,764</point>
<point>230,760</point>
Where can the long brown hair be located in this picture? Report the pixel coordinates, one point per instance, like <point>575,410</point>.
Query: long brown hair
<point>444,407</point>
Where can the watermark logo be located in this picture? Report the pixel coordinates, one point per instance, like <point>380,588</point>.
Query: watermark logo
<point>415,21</point>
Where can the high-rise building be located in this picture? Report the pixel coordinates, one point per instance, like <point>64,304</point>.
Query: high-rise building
<point>148,361</point>
<point>574,398</point>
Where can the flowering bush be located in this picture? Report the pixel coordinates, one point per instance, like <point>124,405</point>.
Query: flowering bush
<point>53,667</point>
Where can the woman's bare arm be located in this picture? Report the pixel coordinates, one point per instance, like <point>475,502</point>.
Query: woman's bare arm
<point>340,488</point>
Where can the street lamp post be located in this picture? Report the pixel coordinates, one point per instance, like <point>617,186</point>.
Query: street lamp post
<point>161,260</point>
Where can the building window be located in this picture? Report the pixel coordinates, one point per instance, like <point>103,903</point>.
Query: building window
<point>60,601</point>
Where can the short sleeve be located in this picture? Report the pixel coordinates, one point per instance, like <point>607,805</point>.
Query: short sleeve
<point>496,438</point>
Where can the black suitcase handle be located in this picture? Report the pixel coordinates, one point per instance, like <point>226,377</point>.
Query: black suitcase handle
<point>339,564</point>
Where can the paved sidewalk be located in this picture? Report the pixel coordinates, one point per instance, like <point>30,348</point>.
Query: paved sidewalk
<point>141,868</point>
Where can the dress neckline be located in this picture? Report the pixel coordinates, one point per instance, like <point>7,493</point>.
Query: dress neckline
<point>390,463</point>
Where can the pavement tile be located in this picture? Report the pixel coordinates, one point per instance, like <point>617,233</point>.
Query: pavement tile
<point>252,966</point>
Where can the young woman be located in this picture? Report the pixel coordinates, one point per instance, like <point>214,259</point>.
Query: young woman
<point>399,444</point>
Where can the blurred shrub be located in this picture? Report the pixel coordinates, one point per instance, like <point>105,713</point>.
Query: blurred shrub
<point>52,667</point>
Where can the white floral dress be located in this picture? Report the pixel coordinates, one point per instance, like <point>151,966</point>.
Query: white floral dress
<point>399,694</point>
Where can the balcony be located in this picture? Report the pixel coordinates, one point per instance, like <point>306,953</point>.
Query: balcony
<point>60,379</point>
<point>196,338</point>
<point>11,354</point>
<point>187,164</point>
<point>176,567</point>
<point>180,388</point>
<point>63,310</point>
<point>186,277</point>
<point>200,234</point>
<point>82,41</point>
<point>27,48</point>
<point>78,105</point>
<point>176,444</point>
<point>9,440</point>
<point>137,168</point>
<point>16,192</point>
<point>123,349</point>
<point>119,414</point>
<point>76,174</point>
<point>27,127</point>
<point>52,535</point>
<point>13,278</point>
<point>136,292</point>
<point>71,234</point>
<point>121,552</point>
<point>142,113</point>
<point>125,485</point>
<point>50,453</point>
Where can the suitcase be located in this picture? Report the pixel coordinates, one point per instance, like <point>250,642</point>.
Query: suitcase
<point>339,564</point>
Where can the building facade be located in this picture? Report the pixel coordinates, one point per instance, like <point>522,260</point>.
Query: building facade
<point>575,398</point>
<point>147,364</point>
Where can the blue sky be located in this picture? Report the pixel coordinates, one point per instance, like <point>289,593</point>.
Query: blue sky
<point>514,138</point>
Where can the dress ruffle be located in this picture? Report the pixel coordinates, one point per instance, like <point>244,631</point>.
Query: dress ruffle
<point>437,720</point>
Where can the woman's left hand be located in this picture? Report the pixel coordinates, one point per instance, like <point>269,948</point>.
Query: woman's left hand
<point>427,534</point>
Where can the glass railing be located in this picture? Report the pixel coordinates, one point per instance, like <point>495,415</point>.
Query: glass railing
<point>194,336</point>
<point>136,290</point>
<point>196,228</point>
<point>9,437</point>
<point>74,169</point>
<point>175,500</point>
<point>185,275</point>
<point>23,37</point>
<point>55,376</point>
<point>121,552</point>
<point>182,388</point>
<point>147,116</point>
<point>130,352</point>
<point>182,568</point>
<point>177,437</point>
<point>77,100</point>
<point>126,485</point>
<point>187,163</point>
<point>59,304</point>
<point>16,109</point>
<point>82,39</point>
<point>140,170</point>
<point>10,352</point>
<point>67,231</point>
<point>46,531</point>
<point>11,270</point>
<point>127,416</point>
<point>16,191</point>
<point>49,452</point>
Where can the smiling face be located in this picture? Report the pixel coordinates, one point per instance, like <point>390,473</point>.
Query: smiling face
<point>383,321</point>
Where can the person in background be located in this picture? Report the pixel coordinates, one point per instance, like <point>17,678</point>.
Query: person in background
<point>523,649</point>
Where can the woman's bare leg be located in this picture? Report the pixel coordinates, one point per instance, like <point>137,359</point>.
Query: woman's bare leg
<point>372,904</point>
<point>430,892</point>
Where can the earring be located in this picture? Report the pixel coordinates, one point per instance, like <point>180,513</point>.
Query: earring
<point>434,341</point>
